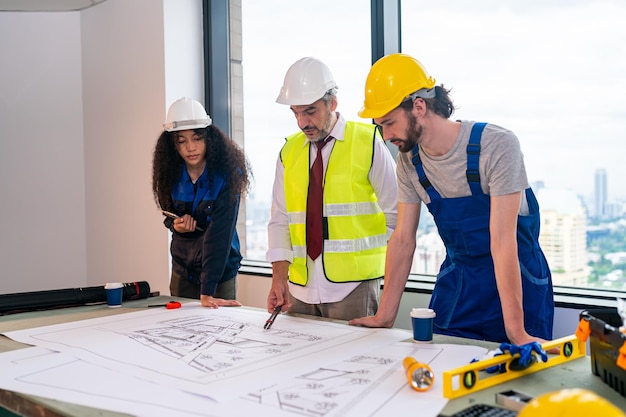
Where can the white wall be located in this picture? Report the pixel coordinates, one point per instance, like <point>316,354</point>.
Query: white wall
<point>123,94</point>
<point>42,180</point>
<point>82,102</point>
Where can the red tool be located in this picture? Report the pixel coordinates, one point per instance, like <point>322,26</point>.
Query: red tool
<point>169,305</point>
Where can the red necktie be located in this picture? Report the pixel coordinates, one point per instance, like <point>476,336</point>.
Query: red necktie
<point>314,236</point>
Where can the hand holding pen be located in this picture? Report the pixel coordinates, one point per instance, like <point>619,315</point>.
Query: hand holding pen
<point>183,224</point>
<point>270,321</point>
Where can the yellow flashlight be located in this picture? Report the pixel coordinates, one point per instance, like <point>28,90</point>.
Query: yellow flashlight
<point>419,375</point>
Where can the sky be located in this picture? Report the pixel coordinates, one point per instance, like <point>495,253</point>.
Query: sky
<point>553,72</point>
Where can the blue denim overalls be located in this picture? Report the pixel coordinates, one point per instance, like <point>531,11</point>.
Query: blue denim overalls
<point>465,297</point>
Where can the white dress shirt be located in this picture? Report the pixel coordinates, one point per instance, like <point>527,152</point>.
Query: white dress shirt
<point>382,176</point>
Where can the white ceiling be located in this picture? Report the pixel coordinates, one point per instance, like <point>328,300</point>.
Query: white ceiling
<point>45,5</point>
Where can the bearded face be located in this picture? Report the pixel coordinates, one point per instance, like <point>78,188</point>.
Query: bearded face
<point>315,120</point>
<point>413,135</point>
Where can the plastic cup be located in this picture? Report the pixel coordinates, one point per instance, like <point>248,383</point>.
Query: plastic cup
<point>422,320</point>
<point>114,292</point>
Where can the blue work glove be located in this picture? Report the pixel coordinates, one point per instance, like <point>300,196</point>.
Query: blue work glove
<point>526,353</point>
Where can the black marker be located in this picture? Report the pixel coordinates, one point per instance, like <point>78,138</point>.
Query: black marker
<point>270,321</point>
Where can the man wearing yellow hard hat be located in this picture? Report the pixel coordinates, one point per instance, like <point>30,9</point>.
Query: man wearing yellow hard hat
<point>494,283</point>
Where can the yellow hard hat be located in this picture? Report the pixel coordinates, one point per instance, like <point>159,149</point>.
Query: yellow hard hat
<point>392,79</point>
<point>572,402</point>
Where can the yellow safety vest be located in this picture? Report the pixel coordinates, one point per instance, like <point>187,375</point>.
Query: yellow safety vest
<point>355,247</point>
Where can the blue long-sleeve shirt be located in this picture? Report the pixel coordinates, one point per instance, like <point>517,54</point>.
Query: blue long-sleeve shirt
<point>212,256</point>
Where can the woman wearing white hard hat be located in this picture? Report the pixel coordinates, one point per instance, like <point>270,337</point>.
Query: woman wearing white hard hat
<point>198,178</point>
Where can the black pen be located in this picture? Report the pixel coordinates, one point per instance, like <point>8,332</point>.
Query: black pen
<point>270,321</point>
<point>176,216</point>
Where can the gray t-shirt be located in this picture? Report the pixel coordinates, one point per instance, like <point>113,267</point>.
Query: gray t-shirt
<point>501,168</point>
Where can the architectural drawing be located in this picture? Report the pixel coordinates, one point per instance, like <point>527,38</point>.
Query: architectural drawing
<point>350,387</point>
<point>205,362</point>
<point>39,371</point>
<point>194,347</point>
<point>213,344</point>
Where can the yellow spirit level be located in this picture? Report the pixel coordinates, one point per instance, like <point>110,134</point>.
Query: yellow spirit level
<point>473,377</point>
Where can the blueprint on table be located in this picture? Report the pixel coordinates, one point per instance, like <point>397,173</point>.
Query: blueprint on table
<point>225,360</point>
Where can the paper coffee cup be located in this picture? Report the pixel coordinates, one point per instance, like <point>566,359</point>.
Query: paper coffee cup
<point>114,291</point>
<point>422,320</point>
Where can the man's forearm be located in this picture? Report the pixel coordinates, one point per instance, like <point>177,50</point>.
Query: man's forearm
<point>280,270</point>
<point>397,267</point>
<point>509,284</point>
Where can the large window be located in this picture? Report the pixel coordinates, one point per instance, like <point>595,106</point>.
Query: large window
<point>551,71</point>
<point>275,34</point>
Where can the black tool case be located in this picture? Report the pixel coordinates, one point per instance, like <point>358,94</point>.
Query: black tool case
<point>605,341</point>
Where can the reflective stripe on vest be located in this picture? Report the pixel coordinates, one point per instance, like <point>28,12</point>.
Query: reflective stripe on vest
<point>355,247</point>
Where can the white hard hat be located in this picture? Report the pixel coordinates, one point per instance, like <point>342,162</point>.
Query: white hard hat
<point>306,81</point>
<point>186,113</point>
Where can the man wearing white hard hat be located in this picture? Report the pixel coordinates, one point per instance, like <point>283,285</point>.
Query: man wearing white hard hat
<point>198,178</point>
<point>333,206</point>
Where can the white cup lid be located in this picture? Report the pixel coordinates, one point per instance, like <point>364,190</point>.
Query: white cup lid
<point>111,285</point>
<point>423,313</point>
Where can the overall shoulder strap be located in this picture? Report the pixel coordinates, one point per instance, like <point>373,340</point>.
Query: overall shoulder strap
<point>473,158</point>
<point>419,168</point>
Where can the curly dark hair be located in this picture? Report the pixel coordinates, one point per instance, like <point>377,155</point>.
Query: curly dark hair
<point>222,156</point>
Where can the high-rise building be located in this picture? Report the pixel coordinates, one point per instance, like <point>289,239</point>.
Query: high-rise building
<point>429,248</point>
<point>429,253</point>
<point>600,194</point>
<point>563,236</point>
